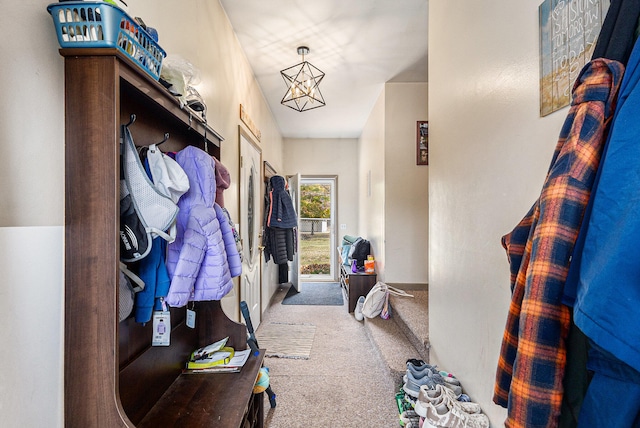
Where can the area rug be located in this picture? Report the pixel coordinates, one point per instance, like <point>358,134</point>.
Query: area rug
<point>315,293</point>
<point>283,340</point>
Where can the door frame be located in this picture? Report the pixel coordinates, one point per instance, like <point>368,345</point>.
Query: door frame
<point>242,133</point>
<point>333,242</point>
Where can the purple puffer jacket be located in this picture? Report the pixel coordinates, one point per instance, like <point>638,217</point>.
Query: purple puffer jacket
<point>199,260</point>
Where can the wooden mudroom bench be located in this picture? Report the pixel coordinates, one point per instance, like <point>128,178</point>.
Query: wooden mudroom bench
<point>113,377</point>
<point>354,285</point>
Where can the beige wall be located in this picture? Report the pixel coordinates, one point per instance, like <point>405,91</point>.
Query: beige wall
<point>489,153</point>
<point>406,186</point>
<point>31,216</point>
<point>371,190</point>
<point>325,156</point>
<point>31,119</point>
<point>200,32</point>
<point>393,189</point>
<point>32,176</point>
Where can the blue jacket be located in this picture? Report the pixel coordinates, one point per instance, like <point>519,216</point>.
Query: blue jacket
<point>605,269</point>
<point>153,272</point>
<point>281,212</point>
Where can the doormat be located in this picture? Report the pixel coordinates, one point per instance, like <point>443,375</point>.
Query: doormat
<point>284,340</point>
<point>315,293</point>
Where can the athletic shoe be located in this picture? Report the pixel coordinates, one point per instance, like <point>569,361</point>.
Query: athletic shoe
<point>412,385</point>
<point>411,401</point>
<point>418,365</point>
<point>456,389</point>
<point>415,362</point>
<point>409,418</point>
<point>422,370</point>
<point>446,414</point>
<point>358,311</point>
<point>449,377</point>
<point>425,371</point>
<point>437,396</point>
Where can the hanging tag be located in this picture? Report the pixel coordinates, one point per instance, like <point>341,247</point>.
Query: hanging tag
<point>191,318</point>
<point>161,328</point>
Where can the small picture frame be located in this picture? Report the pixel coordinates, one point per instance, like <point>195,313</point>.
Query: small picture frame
<point>422,143</point>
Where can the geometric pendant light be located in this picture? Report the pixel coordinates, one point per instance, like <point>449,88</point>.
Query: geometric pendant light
<point>303,81</point>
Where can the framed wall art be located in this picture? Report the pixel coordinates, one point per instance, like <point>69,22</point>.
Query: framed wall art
<point>422,143</point>
<point>568,33</point>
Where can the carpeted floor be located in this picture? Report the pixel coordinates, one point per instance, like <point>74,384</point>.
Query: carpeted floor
<point>342,384</point>
<point>315,293</point>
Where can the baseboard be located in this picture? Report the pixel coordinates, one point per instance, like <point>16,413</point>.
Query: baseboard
<point>409,286</point>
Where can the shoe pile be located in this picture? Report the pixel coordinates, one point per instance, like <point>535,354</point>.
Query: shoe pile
<point>436,400</point>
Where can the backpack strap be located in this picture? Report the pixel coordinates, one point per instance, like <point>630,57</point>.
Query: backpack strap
<point>398,292</point>
<point>133,277</point>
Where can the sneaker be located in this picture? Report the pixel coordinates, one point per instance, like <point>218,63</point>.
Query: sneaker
<point>446,414</point>
<point>409,418</point>
<point>456,389</point>
<point>358,311</point>
<point>415,362</point>
<point>449,377</point>
<point>402,402</point>
<point>464,397</point>
<point>420,371</point>
<point>412,385</point>
<point>411,401</point>
<point>437,396</point>
<point>438,379</point>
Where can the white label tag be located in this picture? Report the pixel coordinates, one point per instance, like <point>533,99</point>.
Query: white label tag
<point>191,318</point>
<point>161,328</point>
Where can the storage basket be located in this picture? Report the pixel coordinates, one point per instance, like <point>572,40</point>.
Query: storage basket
<point>103,25</point>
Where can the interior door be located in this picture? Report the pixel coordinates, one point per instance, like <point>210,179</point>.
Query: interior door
<point>250,220</point>
<point>294,191</point>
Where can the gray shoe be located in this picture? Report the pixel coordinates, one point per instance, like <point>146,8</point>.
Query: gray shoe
<point>412,385</point>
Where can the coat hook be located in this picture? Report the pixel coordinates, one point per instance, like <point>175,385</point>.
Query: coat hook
<point>132,119</point>
<point>166,137</point>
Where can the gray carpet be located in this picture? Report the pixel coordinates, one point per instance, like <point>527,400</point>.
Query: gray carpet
<point>342,384</point>
<point>315,293</point>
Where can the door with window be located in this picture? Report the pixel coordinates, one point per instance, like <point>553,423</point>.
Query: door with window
<point>250,222</point>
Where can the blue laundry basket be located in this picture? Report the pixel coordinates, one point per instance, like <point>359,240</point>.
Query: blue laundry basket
<point>103,25</point>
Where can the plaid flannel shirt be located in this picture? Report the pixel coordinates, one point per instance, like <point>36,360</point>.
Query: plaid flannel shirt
<point>533,355</point>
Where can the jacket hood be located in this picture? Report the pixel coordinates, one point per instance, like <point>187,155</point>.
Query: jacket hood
<point>200,168</point>
<point>223,181</point>
<point>278,183</point>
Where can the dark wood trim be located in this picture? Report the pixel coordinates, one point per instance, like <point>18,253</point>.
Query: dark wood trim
<point>206,400</point>
<point>113,376</point>
<point>269,171</point>
<point>91,216</point>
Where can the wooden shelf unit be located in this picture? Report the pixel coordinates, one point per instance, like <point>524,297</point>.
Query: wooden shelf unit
<point>355,285</point>
<point>113,377</point>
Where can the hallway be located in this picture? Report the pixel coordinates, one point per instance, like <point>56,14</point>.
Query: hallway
<point>343,383</point>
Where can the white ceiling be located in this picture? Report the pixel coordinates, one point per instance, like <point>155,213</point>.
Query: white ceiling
<point>358,44</point>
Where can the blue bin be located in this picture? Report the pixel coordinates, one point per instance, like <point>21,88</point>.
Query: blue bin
<point>103,25</point>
